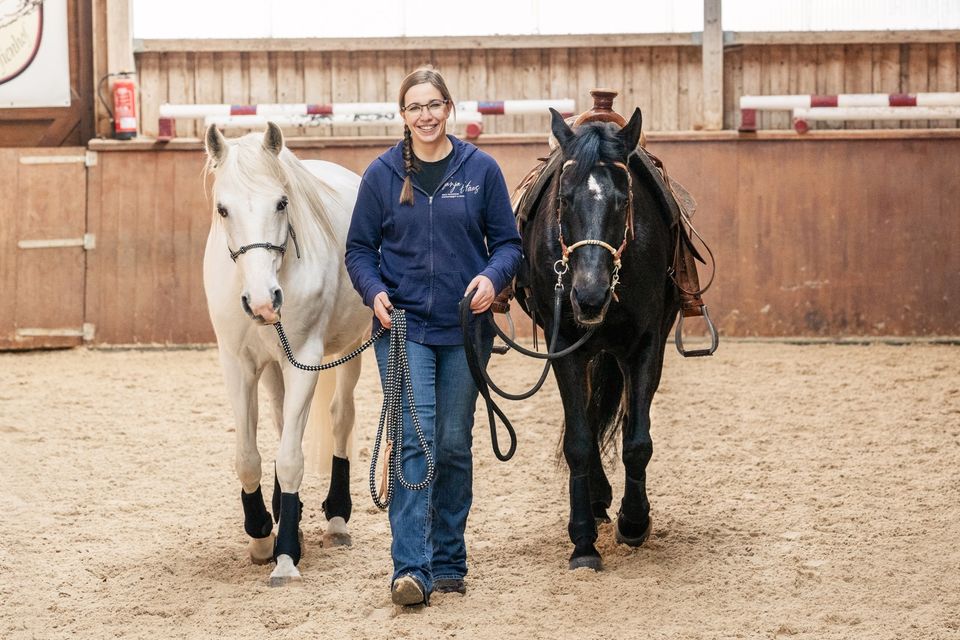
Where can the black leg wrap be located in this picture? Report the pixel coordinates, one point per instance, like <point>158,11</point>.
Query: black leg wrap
<point>276,495</point>
<point>338,502</point>
<point>288,542</point>
<point>582,527</point>
<point>633,519</point>
<point>256,518</point>
<point>635,504</point>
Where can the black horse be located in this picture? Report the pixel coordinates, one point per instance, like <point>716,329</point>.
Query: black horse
<point>604,228</point>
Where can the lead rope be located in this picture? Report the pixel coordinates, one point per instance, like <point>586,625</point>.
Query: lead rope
<point>391,421</point>
<point>391,415</point>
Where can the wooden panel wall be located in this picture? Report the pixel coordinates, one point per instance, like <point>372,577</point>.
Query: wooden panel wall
<point>812,237</point>
<point>44,193</point>
<point>664,81</point>
<point>835,68</point>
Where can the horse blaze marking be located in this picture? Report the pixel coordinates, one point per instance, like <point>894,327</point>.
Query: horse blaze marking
<point>594,187</point>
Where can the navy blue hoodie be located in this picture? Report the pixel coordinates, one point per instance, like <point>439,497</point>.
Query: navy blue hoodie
<point>425,255</point>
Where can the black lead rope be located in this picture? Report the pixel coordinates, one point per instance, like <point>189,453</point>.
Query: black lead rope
<point>471,344</point>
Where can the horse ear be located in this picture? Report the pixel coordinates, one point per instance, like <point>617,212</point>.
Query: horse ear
<point>273,139</point>
<point>561,130</point>
<point>215,144</point>
<point>630,134</point>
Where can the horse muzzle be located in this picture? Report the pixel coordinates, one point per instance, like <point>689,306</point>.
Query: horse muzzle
<point>590,305</point>
<point>265,312</point>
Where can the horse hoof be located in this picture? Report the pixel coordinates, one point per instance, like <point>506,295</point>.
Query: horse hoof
<point>286,573</point>
<point>633,541</point>
<point>286,581</point>
<point>337,534</point>
<point>261,549</point>
<point>586,562</point>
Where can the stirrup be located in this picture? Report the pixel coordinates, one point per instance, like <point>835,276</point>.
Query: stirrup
<point>694,353</point>
<point>501,349</point>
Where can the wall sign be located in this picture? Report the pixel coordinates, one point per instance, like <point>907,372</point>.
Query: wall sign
<point>34,56</point>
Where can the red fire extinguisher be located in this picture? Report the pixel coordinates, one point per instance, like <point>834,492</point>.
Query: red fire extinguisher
<point>124,106</point>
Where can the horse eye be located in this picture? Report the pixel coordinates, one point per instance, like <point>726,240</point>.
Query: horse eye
<point>282,204</point>
<point>222,210</point>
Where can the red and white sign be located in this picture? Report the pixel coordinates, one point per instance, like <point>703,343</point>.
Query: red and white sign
<point>34,58</point>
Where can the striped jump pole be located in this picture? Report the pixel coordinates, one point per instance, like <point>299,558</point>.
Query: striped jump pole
<point>473,121</point>
<point>749,105</point>
<point>171,112</point>
<point>803,117</point>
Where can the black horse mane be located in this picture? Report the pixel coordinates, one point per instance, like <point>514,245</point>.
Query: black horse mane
<point>593,142</point>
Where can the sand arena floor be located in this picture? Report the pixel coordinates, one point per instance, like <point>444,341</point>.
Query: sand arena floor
<point>797,491</point>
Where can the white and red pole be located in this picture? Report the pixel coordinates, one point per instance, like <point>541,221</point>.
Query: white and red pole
<point>749,105</point>
<point>360,110</point>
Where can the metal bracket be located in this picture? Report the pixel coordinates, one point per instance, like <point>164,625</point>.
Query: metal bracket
<point>87,242</point>
<point>87,332</point>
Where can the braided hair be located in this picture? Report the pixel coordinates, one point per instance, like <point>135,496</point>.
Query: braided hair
<point>423,75</point>
<point>410,166</point>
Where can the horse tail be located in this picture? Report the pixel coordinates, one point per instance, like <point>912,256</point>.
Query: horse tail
<point>605,399</point>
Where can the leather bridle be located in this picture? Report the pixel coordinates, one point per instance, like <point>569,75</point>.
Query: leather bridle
<point>561,265</point>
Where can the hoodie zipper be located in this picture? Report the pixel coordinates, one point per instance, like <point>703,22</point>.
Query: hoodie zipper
<point>430,226</point>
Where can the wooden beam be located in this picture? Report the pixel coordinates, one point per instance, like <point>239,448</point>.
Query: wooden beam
<point>712,63</point>
<point>112,50</point>
<point>120,36</point>
<point>420,43</point>
<point>842,37</point>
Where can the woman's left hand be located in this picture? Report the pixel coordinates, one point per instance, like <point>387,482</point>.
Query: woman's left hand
<point>485,293</point>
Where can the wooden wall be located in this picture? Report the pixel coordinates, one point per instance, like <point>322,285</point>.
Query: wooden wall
<point>813,237</point>
<point>665,80</point>
<point>42,283</point>
<point>829,69</point>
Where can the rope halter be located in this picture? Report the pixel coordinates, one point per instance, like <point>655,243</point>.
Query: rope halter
<point>280,248</point>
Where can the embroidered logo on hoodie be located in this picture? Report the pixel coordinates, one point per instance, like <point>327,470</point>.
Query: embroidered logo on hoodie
<point>457,189</point>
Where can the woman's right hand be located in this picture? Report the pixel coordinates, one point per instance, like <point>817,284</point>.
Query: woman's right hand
<point>382,308</point>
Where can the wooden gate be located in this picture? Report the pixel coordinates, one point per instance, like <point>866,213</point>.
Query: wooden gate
<point>43,246</point>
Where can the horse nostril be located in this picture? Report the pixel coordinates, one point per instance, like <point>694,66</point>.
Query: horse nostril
<point>277,298</point>
<point>245,303</point>
<point>589,301</point>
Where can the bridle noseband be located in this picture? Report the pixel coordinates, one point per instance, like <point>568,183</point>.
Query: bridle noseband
<point>561,265</point>
<point>281,248</point>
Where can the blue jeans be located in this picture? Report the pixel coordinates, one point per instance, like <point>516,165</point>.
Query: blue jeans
<point>428,525</point>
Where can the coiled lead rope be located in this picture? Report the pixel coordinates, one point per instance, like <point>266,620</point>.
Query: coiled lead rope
<point>391,415</point>
<point>391,421</point>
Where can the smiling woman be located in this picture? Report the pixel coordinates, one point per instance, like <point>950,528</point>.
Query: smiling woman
<point>432,215</point>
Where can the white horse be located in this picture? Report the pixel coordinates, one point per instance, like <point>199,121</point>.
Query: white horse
<point>277,239</point>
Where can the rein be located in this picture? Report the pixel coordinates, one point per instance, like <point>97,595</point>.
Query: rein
<point>471,345</point>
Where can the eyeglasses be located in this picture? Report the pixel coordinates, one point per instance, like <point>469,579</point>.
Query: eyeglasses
<point>435,107</point>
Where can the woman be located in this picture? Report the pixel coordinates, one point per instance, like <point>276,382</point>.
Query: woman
<point>432,222</point>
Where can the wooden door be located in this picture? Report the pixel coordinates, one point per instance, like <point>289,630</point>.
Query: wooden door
<point>43,246</point>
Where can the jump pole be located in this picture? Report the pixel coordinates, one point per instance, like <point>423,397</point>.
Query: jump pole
<point>749,105</point>
<point>360,110</point>
<point>802,117</point>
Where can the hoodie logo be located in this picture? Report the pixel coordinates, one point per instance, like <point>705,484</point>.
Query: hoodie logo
<point>457,189</point>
